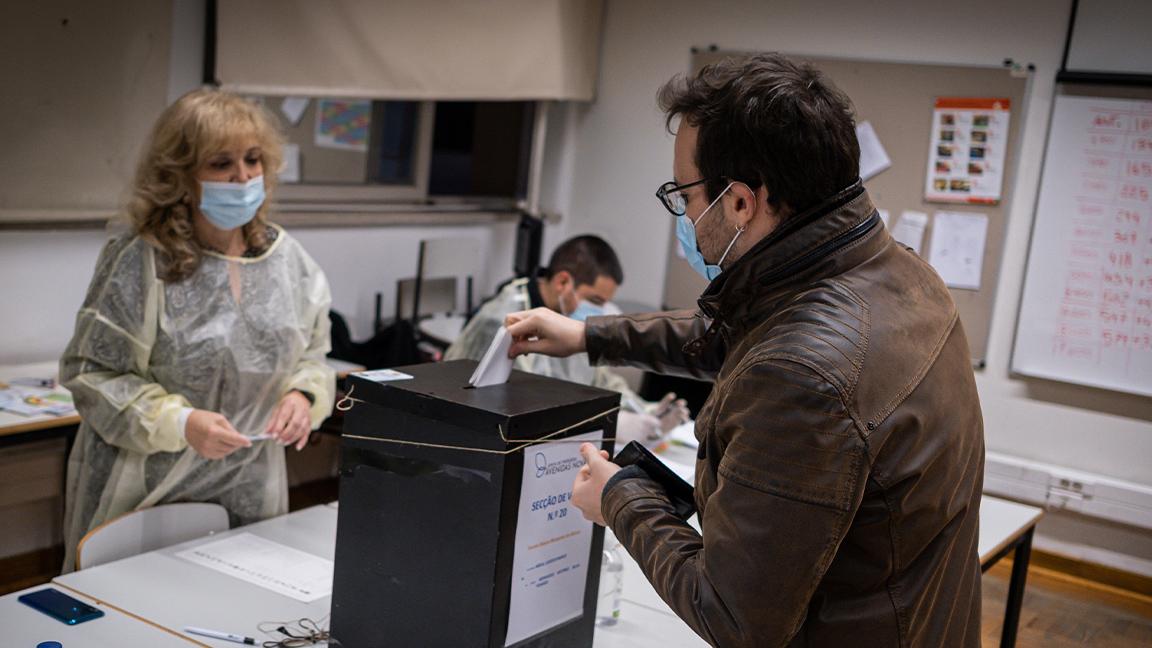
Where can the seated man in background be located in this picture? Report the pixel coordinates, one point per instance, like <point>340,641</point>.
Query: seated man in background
<point>581,279</point>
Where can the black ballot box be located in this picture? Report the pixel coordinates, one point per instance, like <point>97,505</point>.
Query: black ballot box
<point>455,526</point>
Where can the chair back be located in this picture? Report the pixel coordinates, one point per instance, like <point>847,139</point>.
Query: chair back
<point>440,258</point>
<point>147,530</point>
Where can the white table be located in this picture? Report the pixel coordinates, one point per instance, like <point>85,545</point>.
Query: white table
<point>23,626</point>
<point>172,593</point>
<point>1007,527</point>
<point>645,620</point>
<point>169,592</point>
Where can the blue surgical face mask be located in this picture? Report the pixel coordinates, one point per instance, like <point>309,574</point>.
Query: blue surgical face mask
<point>229,205</point>
<point>586,309</point>
<point>686,233</point>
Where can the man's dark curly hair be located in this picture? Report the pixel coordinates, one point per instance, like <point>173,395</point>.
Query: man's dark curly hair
<point>765,120</point>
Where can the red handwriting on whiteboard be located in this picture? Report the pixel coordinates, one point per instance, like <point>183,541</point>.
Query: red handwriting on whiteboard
<point>1128,216</point>
<point>1106,120</point>
<point>1138,168</point>
<point>1104,310</point>
<point>1134,192</point>
<point>1140,145</point>
<point>1120,259</point>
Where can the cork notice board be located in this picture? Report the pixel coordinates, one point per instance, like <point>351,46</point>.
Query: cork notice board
<point>898,99</point>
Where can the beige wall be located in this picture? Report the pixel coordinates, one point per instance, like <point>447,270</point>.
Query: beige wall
<point>83,82</point>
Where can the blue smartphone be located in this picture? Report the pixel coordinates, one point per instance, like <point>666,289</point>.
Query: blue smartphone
<point>60,606</point>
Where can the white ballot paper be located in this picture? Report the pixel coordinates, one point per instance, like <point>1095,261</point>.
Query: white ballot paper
<point>553,541</point>
<point>957,248</point>
<point>495,366</point>
<point>909,230</point>
<point>271,565</point>
<point>873,157</point>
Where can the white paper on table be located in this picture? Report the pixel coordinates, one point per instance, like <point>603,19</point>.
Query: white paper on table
<point>956,249</point>
<point>885,217</point>
<point>909,230</point>
<point>30,401</point>
<point>873,157</point>
<point>271,565</point>
<point>553,541</point>
<point>290,169</point>
<point>293,108</point>
<point>687,472</point>
<point>684,435</point>
<point>495,366</point>
<point>383,375</point>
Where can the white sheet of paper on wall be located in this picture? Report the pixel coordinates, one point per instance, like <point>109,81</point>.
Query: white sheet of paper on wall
<point>909,230</point>
<point>293,109</point>
<point>873,157</point>
<point>956,249</point>
<point>290,170</point>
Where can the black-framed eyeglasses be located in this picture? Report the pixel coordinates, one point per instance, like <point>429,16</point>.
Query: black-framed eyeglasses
<point>671,195</point>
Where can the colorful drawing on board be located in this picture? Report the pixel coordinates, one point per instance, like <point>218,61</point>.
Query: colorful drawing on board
<point>966,155</point>
<point>343,124</point>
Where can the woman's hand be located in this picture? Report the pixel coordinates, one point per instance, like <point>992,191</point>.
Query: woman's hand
<point>543,330</point>
<point>212,436</point>
<point>292,421</point>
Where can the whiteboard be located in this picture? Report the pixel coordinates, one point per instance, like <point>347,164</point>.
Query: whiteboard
<point>1086,314</point>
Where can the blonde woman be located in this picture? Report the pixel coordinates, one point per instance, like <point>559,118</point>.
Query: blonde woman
<point>199,351</point>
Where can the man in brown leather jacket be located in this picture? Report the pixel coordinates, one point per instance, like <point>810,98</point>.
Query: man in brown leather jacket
<point>841,451</point>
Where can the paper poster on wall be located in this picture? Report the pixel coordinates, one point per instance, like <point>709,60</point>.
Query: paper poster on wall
<point>293,109</point>
<point>343,123</point>
<point>956,249</point>
<point>873,157</point>
<point>553,541</point>
<point>290,168</point>
<point>909,230</point>
<point>968,148</point>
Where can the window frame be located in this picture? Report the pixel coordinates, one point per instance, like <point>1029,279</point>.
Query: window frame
<point>342,197</point>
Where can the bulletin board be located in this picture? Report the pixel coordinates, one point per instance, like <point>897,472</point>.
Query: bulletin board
<point>898,99</point>
<point>1086,310</point>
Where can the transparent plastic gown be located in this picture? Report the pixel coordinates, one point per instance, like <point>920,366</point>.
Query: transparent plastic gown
<point>144,349</point>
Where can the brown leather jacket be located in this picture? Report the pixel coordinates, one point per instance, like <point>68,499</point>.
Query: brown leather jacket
<point>841,451</point>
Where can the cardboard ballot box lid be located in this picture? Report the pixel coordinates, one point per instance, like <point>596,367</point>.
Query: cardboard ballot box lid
<point>526,407</point>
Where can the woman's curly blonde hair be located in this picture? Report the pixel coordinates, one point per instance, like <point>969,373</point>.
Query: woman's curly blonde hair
<point>195,127</point>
